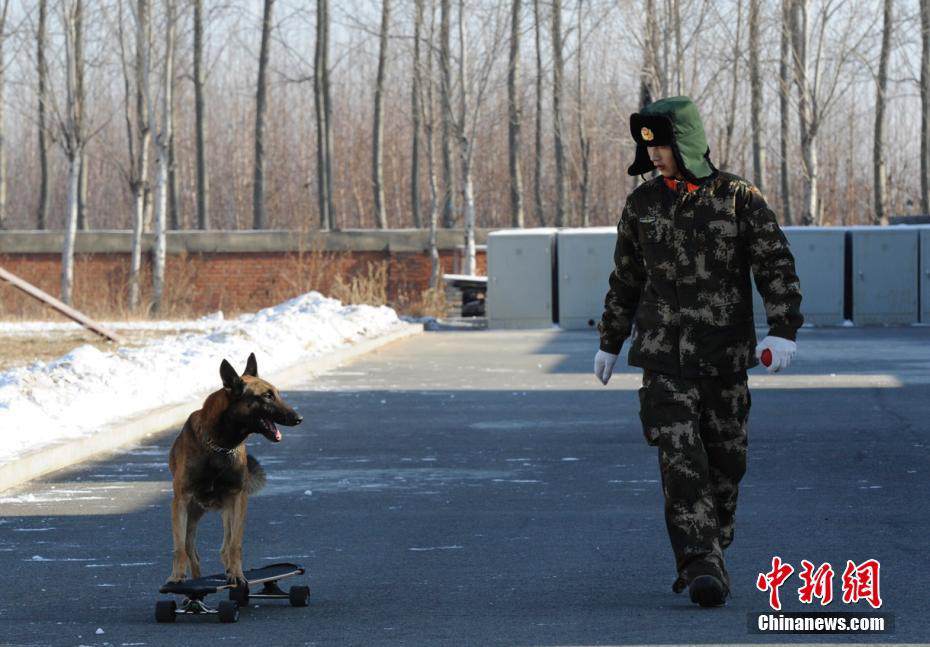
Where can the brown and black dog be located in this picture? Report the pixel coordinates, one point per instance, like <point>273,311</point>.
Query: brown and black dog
<point>211,469</point>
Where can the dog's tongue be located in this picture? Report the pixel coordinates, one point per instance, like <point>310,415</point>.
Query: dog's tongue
<point>272,431</point>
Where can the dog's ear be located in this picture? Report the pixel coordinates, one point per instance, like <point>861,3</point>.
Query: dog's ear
<point>231,380</point>
<point>251,366</point>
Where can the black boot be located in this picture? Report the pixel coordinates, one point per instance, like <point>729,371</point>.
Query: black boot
<point>708,591</point>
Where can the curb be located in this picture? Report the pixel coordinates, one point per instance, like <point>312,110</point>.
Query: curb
<point>130,431</point>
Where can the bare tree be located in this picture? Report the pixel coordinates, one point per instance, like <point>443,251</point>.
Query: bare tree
<point>557,120</point>
<point>4,9</point>
<point>584,143</point>
<point>427,105</point>
<point>416,114</point>
<point>138,134</point>
<point>515,114</point>
<point>471,101</point>
<point>538,156</point>
<point>925,106</point>
<point>821,79</point>
<point>42,76</point>
<point>174,209</point>
<point>261,94</point>
<point>784,88</point>
<point>881,88</point>
<point>799,36</point>
<point>323,108</point>
<point>445,98</point>
<point>162,137</point>
<point>79,62</point>
<point>734,90</point>
<point>377,170</point>
<point>466,146</point>
<point>679,52</point>
<point>649,80</point>
<point>755,89</point>
<point>200,122</point>
<point>73,140</point>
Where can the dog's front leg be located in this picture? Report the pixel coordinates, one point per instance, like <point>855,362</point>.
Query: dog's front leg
<point>194,513</point>
<point>233,530</point>
<point>179,535</point>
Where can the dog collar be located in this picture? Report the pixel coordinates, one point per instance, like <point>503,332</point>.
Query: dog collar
<point>220,450</point>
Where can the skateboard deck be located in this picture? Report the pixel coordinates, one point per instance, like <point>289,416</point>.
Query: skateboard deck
<point>195,590</point>
<point>213,583</point>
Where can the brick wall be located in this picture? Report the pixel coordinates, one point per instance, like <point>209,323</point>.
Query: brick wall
<point>201,282</point>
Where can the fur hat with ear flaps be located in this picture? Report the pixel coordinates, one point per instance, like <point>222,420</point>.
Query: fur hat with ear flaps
<point>674,122</point>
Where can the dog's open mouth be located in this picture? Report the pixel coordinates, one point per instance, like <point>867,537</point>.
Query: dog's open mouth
<point>269,430</point>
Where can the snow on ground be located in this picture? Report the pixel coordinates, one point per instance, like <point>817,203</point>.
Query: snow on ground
<point>83,391</point>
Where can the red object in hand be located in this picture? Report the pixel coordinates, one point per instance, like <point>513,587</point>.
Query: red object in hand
<point>767,357</point>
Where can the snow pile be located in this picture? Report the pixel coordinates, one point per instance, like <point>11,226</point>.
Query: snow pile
<point>87,389</point>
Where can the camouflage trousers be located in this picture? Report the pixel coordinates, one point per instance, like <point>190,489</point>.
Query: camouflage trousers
<point>699,427</point>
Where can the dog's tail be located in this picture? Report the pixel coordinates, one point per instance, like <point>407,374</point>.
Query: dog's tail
<point>257,476</point>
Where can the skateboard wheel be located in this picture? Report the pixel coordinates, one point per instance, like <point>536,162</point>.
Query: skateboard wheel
<point>165,611</point>
<point>239,594</point>
<point>299,596</point>
<point>228,611</point>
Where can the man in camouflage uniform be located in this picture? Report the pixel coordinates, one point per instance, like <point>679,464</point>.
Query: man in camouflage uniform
<point>686,242</point>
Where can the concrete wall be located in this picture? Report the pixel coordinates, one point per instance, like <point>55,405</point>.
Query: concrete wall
<point>819,259</point>
<point>520,278</point>
<point>885,274</point>
<point>873,275</point>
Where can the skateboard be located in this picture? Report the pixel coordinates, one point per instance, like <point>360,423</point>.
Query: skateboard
<point>194,591</point>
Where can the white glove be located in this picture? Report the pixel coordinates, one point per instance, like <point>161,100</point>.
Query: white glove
<point>782,349</point>
<point>604,365</point>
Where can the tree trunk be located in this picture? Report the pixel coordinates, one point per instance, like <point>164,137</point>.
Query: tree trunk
<point>584,144</point>
<point>322,105</point>
<point>161,182</point>
<point>784,90</point>
<point>755,84</point>
<point>878,157</point>
<point>139,139</point>
<point>514,111</point>
<point>200,122</point>
<point>734,88</point>
<point>429,122</point>
<point>416,115</point>
<point>6,6</point>
<point>377,165</point>
<point>557,122</point>
<point>649,87</point>
<point>538,157</point>
<point>445,93</point>
<point>679,54</point>
<point>79,80</point>
<point>466,150</point>
<point>67,254</point>
<point>318,106</point>
<point>72,139</point>
<point>328,130</point>
<point>805,117</point>
<point>174,209</point>
<point>42,74</point>
<point>925,106</point>
<point>261,92</point>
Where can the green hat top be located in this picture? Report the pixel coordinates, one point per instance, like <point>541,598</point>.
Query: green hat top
<point>674,122</point>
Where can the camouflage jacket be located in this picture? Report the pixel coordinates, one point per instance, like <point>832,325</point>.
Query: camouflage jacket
<point>682,275</point>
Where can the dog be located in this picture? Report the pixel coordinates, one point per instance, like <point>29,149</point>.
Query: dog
<point>211,470</point>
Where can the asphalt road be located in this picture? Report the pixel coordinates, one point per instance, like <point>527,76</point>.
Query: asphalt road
<point>481,488</point>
